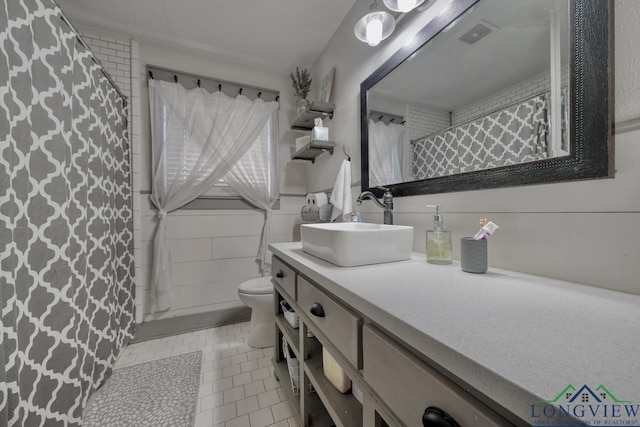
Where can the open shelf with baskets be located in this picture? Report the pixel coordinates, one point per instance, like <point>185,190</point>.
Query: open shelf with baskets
<point>343,408</point>
<point>298,365</point>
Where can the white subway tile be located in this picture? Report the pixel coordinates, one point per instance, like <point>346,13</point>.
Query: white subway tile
<point>135,48</point>
<point>107,51</point>
<point>115,59</point>
<point>143,276</point>
<point>136,222</point>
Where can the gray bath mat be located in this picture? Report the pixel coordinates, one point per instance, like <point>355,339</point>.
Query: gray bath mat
<point>158,393</point>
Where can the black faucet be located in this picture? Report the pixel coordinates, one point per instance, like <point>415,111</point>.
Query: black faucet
<point>386,204</point>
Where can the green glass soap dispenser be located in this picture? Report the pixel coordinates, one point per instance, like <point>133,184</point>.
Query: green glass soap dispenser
<point>438,240</point>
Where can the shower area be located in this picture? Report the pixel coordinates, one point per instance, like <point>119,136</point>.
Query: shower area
<point>488,92</point>
<point>514,134</point>
<point>66,239</point>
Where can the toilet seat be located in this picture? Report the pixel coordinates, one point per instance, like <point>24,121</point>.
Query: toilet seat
<point>259,286</point>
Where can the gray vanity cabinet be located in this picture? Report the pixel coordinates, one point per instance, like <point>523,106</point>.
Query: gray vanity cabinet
<point>396,386</point>
<point>408,386</point>
<point>341,325</point>
<point>284,276</point>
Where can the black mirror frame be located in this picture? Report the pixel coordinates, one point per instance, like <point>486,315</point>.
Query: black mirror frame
<point>591,94</point>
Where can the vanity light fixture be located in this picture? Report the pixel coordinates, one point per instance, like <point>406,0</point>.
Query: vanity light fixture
<point>403,6</point>
<point>375,26</point>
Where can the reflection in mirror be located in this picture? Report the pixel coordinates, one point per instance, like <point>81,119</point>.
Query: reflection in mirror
<point>490,90</point>
<point>387,148</point>
<point>484,109</point>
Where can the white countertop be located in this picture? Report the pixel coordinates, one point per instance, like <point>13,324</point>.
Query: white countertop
<point>515,338</point>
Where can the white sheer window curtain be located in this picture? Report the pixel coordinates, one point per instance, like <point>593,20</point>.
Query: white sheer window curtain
<point>385,152</point>
<point>255,178</point>
<point>197,139</point>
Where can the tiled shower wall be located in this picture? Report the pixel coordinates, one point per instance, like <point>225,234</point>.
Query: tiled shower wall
<point>423,122</point>
<point>505,97</point>
<point>420,122</point>
<point>119,55</point>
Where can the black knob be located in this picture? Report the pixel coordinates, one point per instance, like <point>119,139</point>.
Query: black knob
<point>436,417</point>
<point>280,274</point>
<point>317,310</point>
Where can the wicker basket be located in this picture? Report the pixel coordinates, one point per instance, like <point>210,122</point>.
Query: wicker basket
<point>292,317</point>
<point>294,369</point>
<point>322,215</point>
<point>289,315</point>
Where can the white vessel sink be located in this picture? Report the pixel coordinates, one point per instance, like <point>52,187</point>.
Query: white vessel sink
<point>349,244</point>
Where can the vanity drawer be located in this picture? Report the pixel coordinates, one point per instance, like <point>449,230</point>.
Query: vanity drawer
<point>409,386</point>
<point>342,326</point>
<point>284,276</point>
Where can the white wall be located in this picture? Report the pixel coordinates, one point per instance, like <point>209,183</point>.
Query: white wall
<point>584,231</point>
<point>213,250</point>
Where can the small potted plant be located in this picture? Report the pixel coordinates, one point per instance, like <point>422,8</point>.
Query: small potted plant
<point>301,85</point>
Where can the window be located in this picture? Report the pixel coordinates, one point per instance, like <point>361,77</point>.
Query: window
<point>180,161</point>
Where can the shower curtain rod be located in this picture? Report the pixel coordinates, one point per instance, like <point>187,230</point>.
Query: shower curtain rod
<point>167,74</point>
<point>478,117</point>
<point>93,55</point>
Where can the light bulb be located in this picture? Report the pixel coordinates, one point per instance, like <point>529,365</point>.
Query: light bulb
<point>406,5</point>
<point>374,31</point>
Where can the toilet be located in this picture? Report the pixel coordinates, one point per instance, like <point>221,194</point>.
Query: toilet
<point>257,294</point>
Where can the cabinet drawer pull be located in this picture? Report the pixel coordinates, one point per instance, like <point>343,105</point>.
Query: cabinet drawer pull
<point>436,417</point>
<point>317,310</point>
<point>280,274</point>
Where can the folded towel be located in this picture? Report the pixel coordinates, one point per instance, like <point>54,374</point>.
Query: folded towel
<point>341,197</point>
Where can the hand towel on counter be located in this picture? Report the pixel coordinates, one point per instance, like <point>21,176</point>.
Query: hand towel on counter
<point>341,197</point>
<point>314,201</point>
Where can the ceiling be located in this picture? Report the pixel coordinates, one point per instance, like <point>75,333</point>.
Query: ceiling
<point>448,73</point>
<point>276,34</point>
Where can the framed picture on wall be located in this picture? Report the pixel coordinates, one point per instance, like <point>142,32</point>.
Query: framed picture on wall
<point>327,85</point>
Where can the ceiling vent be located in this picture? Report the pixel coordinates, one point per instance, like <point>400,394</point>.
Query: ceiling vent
<point>477,33</point>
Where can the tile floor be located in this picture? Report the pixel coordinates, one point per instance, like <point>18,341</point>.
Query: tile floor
<point>237,386</point>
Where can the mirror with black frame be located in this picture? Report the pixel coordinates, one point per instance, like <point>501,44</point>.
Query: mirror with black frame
<point>493,93</point>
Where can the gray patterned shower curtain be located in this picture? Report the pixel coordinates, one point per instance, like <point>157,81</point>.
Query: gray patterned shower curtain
<point>513,135</point>
<point>66,251</point>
